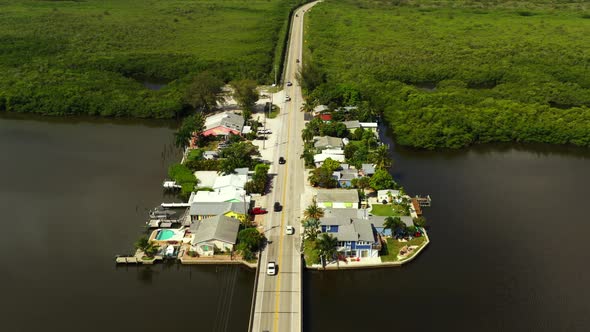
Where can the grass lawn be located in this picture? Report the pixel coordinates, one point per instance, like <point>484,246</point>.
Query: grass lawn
<point>393,247</point>
<point>388,210</point>
<point>275,112</point>
<point>311,253</point>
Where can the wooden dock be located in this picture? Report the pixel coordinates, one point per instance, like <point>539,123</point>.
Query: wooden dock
<point>127,260</point>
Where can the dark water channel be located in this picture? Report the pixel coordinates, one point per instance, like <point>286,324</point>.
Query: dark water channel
<point>73,193</point>
<point>509,250</point>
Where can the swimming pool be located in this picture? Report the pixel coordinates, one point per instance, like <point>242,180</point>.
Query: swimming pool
<point>165,234</point>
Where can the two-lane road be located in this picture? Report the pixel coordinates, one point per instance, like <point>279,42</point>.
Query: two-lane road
<point>278,298</point>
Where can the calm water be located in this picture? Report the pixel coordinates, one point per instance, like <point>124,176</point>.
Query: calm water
<point>509,250</point>
<point>73,193</point>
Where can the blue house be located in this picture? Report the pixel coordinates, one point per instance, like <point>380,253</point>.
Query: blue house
<point>356,237</point>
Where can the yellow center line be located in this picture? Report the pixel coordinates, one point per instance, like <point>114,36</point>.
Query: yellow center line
<point>278,285</point>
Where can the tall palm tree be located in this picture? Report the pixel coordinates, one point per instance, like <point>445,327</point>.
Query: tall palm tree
<point>393,223</point>
<point>309,105</point>
<point>380,157</point>
<point>312,228</point>
<point>326,245</point>
<point>313,211</point>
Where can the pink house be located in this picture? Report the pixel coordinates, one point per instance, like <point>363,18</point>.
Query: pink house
<point>223,124</point>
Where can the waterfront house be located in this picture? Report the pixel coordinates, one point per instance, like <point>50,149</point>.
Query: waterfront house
<point>367,170</point>
<point>338,198</point>
<point>237,210</point>
<point>223,124</point>
<point>328,142</point>
<point>230,182</point>
<point>355,124</point>
<point>219,232</point>
<point>356,237</point>
<point>379,221</point>
<point>219,196</point>
<point>319,109</point>
<point>383,196</point>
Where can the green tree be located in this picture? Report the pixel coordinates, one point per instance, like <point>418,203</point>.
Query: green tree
<point>307,135</point>
<point>204,92</point>
<point>322,177</point>
<point>310,76</point>
<point>245,94</point>
<point>326,245</point>
<point>313,211</point>
<point>393,223</point>
<point>259,180</point>
<point>147,247</point>
<point>420,221</point>
<point>191,125</point>
<point>312,228</point>
<point>309,105</point>
<point>184,177</point>
<point>249,239</point>
<point>381,158</point>
<point>361,183</point>
<point>238,155</point>
<point>382,180</point>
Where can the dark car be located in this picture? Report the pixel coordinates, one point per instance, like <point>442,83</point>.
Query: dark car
<point>282,160</point>
<point>278,207</point>
<point>289,83</point>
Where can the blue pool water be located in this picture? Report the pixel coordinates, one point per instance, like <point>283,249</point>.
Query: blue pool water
<point>164,235</point>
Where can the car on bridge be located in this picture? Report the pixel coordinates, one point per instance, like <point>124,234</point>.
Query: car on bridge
<point>271,268</point>
<point>290,230</point>
<point>278,207</point>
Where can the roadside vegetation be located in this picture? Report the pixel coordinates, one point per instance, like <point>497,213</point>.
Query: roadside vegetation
<point>94,57</point>
<point>454,73</point>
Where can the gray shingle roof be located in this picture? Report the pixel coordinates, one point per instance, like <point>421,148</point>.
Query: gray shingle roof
<point>219,228</point>
<point>215,208</point>
<point>338,195</point>
<point>328,142</point>
<point>352,124</point>
<point>358,230</point>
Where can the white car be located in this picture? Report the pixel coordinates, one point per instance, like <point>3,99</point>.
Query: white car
<point>290,230</point>
<point>271,268</point>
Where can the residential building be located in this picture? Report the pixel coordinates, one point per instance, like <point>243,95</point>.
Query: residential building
<point>384,195</point>
<point>345,175</point>
<point>355,124</point>
<point>219,232</point>
<point>356,237</point>
<point>223,124</point>
<point>319,109</point>
<point>367,170</point>
<point>379,222</point>
<point>338,198</point>
<point>230,182</point>
<point>334,154</point>
<point>219,196</point>
<point>328,142</point>
<point>237,210</point>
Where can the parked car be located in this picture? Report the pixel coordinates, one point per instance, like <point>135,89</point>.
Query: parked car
<point>297,60</point>
<point>287,98</point>
<point>290,230</point>
<point>289,83</point>
<point>271,268</point>
<point>264,131</point>
<point>282,160</point>
<point>258,210</point>
<point>278,207</point>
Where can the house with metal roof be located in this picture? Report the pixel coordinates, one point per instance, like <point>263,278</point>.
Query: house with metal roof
<point>230,181</point>
<point>355,124</point>
<point>338,198</point>
<point>216,233</point>
<point>237,210</point>
<point>219,196</point>
<point>223,124</point>
<point>367,169</point>
<point>328,142</point>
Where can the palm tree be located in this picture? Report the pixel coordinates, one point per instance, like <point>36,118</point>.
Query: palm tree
<point>146,246</point>
<point>313,211</point>
<point>326,245</point>
<point>380,157</point>
<point>392,223</point>
<point>308,106</point>
<point>312,228</point>
<point>307,135</point>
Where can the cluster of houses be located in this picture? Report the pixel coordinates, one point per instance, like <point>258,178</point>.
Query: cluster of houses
<point>357,230</point>
<point>212,218</point>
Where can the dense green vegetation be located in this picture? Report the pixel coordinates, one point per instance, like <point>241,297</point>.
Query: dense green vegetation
<point>183,177</point>
<point>91,57</point>
<point>454,73</point>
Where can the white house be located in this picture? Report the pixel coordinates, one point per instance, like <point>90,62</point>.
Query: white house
<point>334,154</point>
<point>383,195</point>
<point>219,232</point>
<point>219,196</point>
<point>231,181</point>
<point>338,198</point>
